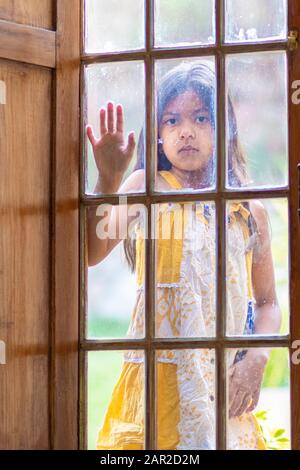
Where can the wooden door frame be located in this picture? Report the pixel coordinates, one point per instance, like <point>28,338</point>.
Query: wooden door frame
<point>65,229</point>
<point>65,218</point>
<point>294,141</point>
<point>294,227</point>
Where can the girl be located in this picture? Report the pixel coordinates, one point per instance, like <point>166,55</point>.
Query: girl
<point>185,289</point>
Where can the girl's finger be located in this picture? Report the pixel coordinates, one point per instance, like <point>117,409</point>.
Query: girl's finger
<point>231,399</point>
<point>120,119</point>
<point>231,371</point>
<point>130,144</point>
<point>90,135</point>
<point>244,406</point>
<point>236,404</point>
<point>232,390</point>
<point>103,128</point>
<point>110,117</point>
<point>254,403</point>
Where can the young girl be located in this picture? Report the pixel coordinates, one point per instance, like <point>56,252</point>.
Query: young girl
<point>186,273</point>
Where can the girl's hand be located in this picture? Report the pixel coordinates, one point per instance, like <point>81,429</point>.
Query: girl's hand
<point>112,155</point>
<point>245,378</point>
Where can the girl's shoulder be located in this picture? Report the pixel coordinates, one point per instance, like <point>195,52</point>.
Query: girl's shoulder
<point>163,183</point>
<point>135,182</point>
<point>259,213</point>
<point>263,236</point>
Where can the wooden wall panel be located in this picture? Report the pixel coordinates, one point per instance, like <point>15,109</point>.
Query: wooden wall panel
<point>25,156</point>
<point>27,44</point>
<point>39,13</point>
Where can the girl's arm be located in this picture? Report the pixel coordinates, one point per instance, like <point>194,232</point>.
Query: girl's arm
<point>267,311</point>
<point>112,156</point>
<point>246,375</point>
<point>117,216</point>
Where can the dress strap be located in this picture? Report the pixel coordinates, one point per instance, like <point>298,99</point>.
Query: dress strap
<point>171,179</point>
<point>239,207</point>
<point>236,207</point>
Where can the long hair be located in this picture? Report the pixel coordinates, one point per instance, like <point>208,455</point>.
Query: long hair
<point>199,77</point>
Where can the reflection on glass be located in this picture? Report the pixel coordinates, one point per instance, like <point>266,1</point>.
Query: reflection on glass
<point>114,25</point>
<point>186,124</point>
<point>186,399</point>
<point>256,128</point>
<point>185,269</point>
<point>258,20</point>
<point>184,22</point>
<point>115,236</point>
<point>117,90</point>
<point>116,400</point>
<point>257,273</point>
<point>258,399</point>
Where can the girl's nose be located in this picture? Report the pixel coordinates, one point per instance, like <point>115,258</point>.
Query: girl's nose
<point>186,131</point>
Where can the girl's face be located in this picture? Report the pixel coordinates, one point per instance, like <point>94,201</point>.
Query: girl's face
<point>186,132</point>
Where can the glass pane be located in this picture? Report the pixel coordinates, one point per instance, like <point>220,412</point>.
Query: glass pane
<point>186,399</point>
<point>114,25</point>
<point>186,105</point>
<point>116,156</point>
<point>116,400</point>
<point>256,127</point>
<point>115,280</point>
<point>257,383</point>
<point>258,20</point>
<point>257,267</point>
<point>185,269</point>
<point>184,22</point>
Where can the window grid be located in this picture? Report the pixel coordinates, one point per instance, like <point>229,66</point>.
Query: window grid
<point>150,344</point>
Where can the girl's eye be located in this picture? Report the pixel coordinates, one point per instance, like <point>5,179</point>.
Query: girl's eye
<point>171,121</point>
<point>202,119</point>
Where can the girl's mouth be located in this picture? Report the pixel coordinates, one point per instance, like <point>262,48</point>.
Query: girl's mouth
<point>188,148</point>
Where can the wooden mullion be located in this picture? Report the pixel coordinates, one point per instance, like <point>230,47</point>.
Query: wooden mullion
<point>220,233</point>
<point>150,405</point>
<point>187,343</point>
<point>82,29</point>
<point>83,399</point>
<point>83,289</point>
<point>83,353</point>
<point>185,197</point>
<point>182,52</point>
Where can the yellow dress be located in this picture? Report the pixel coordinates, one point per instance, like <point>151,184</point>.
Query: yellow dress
<point>185,307</point>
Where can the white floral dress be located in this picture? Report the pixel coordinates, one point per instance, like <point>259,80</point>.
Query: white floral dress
<point>185,307</point>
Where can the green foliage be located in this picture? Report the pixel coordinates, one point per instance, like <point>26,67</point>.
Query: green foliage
<point>277,370</point>
<point>103,372</point>
<point>275,439</point>
<point>104,327</point>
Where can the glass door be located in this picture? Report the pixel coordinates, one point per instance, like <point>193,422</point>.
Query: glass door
<point>188,225</point>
